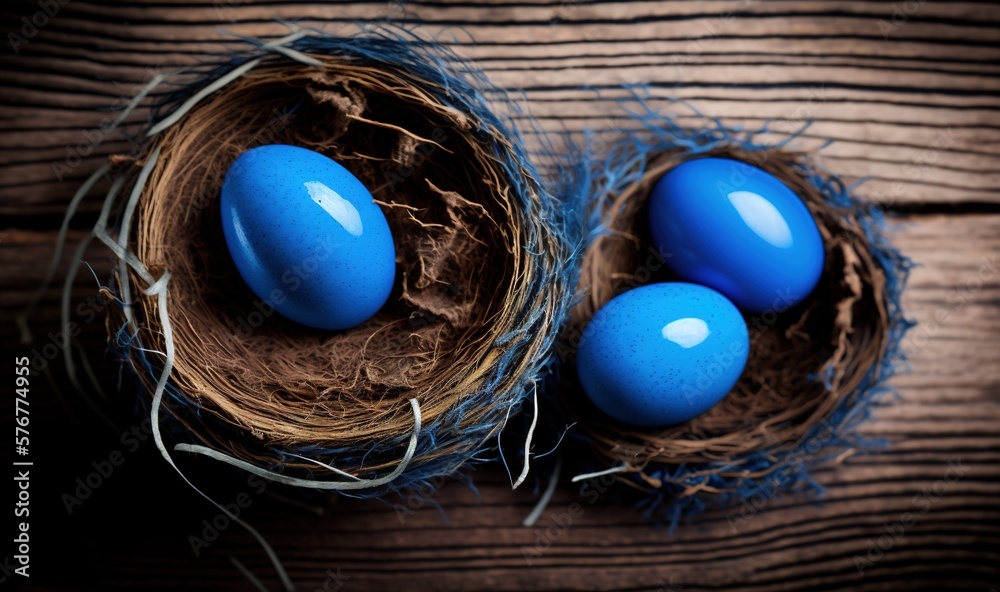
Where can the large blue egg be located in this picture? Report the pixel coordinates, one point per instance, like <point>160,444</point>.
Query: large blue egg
<point>306,236</point>
<point>736,228</point>
<point>662,354</point>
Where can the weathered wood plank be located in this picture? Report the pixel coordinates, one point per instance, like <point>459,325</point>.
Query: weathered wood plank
<point>915,107</point>
<point>890,105</point>
<point>948,410</point>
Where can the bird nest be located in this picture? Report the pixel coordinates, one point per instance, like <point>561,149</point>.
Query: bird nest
<point>483,282</point>
<point>813,368</point>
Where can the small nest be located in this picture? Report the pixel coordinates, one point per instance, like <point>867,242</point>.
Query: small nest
<point>481,288</point>
<point>812,369</point>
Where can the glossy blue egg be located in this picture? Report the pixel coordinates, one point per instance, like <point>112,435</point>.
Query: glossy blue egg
<point>307,237</point>
<point>662,353</point>
<point>738,229</point>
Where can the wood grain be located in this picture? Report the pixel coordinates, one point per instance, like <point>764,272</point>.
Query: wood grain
<point>914,108</point>
<point>947,412</point>
<point>891,104</point>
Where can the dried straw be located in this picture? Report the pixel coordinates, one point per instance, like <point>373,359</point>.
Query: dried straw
<point>813,370</point>
<point>482,249</point>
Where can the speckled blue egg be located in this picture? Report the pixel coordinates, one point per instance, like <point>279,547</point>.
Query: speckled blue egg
<point>738,229</point>
<point>307,237</point>
<point>663,353</point>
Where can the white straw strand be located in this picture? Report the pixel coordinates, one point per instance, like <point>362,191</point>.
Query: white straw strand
<point>527,443</point>
<point>311,483</point>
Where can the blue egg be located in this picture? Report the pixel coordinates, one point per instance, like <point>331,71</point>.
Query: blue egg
<point>307,237</point>
<point>662,354</point>
<point>736,228</point>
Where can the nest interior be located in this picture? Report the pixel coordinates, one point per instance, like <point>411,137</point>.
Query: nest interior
<point>804,362</point>
<point>461,266</point>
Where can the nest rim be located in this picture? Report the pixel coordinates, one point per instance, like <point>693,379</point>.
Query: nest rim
<point>709,460</point>
<point>476,400</point>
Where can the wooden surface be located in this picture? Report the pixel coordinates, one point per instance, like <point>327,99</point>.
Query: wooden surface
<point>913,103</point>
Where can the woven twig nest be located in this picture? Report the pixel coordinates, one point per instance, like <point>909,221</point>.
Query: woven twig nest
<point>813,369</point>
<point>481,289</point>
